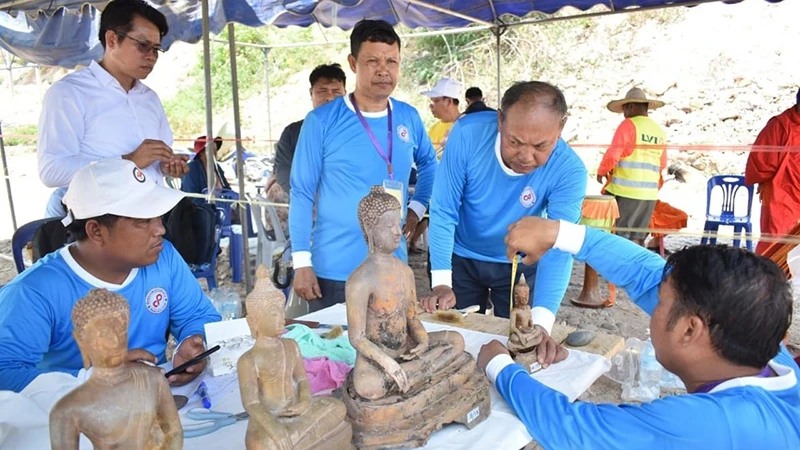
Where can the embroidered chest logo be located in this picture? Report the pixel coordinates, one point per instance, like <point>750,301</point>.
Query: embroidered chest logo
<point>138,175</point>
<point>156,300</point>
<point>528,197</point>
<point>402,133</point>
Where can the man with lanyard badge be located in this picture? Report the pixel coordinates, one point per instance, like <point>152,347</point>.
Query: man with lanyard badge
<point>341,153</point>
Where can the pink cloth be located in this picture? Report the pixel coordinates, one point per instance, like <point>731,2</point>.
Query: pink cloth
<point>325,375</point>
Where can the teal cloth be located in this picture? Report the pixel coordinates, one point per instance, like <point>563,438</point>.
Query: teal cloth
<point>312,345</point>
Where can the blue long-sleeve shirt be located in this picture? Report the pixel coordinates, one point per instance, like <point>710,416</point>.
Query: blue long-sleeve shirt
<point>476,198</point>
<point>197,179</point>
<point>36,313</point>
<point>748,413</point>
<point>334,166</point>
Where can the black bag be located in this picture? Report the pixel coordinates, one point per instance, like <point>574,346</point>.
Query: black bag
<point>193,229</point>
<point>282,270</point>
<point>49,237</point>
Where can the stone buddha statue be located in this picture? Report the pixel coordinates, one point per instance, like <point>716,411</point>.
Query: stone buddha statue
<point>406,382</point>
<point>274,387</point>
<point>523,336</point>
<point>123,405</point>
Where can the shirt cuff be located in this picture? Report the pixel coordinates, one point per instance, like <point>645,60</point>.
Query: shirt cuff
<point>570,237</point>
<point>301,259</point>
<point>418,208</point>
<point>543,317</point>
<point>496,365</point>
<point>441,277</point>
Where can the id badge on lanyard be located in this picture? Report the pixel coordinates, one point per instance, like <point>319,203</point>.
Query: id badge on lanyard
<point>390,185</point>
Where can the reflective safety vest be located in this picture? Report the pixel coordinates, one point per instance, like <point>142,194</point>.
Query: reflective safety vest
<point>637,175</point>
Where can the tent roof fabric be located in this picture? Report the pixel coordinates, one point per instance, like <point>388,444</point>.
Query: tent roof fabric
<point>64,33</point>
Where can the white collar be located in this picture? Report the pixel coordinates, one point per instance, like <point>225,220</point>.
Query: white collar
<point>785,379</point>
<point>106,79</point>
<point>370,115</point>
<point>91,279</point>
<point>503,165</point>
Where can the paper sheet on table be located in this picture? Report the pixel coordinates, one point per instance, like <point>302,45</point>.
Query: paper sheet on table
<point>233,337</point>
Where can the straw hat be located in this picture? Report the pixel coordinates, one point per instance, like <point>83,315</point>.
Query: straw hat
<point>635,95</point>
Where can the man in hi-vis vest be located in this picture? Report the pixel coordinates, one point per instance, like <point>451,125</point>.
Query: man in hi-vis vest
<point>633,163</point>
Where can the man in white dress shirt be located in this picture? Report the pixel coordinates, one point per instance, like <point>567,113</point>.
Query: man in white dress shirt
<point>104,111</point>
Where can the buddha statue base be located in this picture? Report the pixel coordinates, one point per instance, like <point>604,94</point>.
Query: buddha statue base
<point>460,393</point>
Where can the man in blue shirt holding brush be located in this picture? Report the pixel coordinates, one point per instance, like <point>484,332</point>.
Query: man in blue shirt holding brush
<point>499,167</point>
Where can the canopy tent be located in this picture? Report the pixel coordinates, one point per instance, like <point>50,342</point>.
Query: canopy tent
<point>64,33</point>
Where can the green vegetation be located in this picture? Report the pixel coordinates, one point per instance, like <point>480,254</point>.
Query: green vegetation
<point>20,135</point>
<point>186,109</point>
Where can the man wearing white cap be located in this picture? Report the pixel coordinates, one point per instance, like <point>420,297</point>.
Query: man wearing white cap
<point>115,218</point>
<point>444,106</point>
<point>633,163</point>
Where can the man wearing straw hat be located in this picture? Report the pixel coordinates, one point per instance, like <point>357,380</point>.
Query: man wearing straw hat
<point>633,163</point>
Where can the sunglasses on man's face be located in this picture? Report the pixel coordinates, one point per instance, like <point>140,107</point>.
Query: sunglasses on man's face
<point>144,47</point>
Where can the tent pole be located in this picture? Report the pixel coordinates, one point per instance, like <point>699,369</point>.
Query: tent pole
<point>8,181</point>
<point>243,211</point>
<point>497,37</point>
<point>266,83</point>
<point>210,144</point>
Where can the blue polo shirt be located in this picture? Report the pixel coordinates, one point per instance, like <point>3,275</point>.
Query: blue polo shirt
<point>36,313</point>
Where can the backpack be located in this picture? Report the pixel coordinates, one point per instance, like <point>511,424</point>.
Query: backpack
<point>194,230</point>
<point>49,237</point>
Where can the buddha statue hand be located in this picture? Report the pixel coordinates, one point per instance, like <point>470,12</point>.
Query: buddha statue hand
<point>416,351</point>
<point>397,374</point>
<point>297,408</point>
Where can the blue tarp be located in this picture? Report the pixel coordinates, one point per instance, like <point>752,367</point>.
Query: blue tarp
<point>64,33</point>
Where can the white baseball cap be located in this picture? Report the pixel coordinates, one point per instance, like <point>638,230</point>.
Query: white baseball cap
<point>118,187</point>
<point>446,87</point>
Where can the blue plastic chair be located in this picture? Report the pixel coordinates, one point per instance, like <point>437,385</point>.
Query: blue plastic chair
<point>20,239</point>
<point>235,249</point>
<point>730,185</point>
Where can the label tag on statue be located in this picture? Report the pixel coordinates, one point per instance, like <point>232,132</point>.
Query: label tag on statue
<point>395,188</point>
<point>472,415</point>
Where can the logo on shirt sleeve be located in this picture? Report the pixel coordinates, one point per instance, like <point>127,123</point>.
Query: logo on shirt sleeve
<point>138,175</point>
<point>402,133</point>
<point>156,300</point>
<point>528,197</point>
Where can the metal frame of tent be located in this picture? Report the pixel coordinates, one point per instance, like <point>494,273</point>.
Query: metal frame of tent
<point>497,28</point>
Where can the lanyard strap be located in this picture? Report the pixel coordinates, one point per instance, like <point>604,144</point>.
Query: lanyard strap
<point>386,157</point>
<point>706,388</point>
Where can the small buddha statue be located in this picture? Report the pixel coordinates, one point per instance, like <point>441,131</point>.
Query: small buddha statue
<point>400,367</point>
<point>123,405</point>
<point>274,386</point>
<point>523,337</point>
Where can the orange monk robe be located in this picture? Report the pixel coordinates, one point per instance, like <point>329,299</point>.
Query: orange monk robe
<point>778,173</point>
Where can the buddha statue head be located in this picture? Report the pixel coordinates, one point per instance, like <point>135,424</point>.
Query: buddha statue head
<point>265,307</point>
<point>379,215</point>
<point>521,292</point>
<point>100,328</point>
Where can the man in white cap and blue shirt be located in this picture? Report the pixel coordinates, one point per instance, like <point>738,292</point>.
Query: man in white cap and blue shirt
<point>114,216</point>
<point>444,106</point>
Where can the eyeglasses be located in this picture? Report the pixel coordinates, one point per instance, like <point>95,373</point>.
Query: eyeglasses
<point>143,46</point>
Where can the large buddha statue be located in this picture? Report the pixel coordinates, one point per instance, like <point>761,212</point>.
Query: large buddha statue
<point>274,387</point>
<point>123,405</point>
<point>406,382</point>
